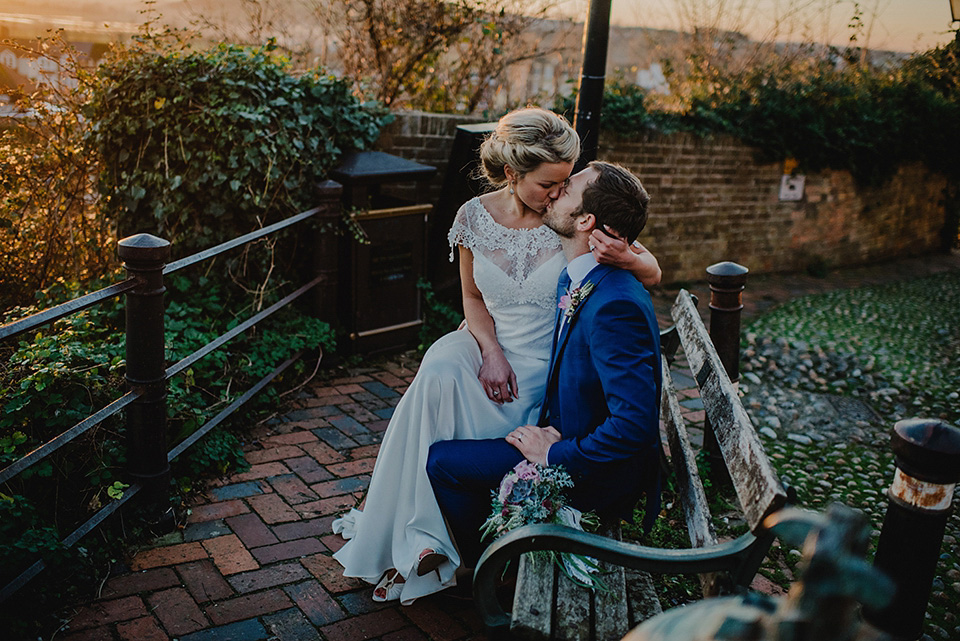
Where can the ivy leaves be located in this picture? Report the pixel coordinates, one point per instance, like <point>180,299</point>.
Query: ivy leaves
<point>201,146</point>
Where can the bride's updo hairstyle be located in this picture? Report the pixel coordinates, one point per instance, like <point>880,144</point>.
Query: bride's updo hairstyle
<point>525,138</point>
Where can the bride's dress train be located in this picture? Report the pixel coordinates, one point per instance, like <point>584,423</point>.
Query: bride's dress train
<point>516,270</point>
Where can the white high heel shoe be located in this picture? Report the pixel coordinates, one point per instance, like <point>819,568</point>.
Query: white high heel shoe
<point>429,561</point>
<point>388,589</point>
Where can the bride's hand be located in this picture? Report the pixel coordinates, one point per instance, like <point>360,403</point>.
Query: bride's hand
<point>498,378</point>
<point>611,251</point>
<point>635,258</point>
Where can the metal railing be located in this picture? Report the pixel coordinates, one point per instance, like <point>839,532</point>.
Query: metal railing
<point>148,459</point>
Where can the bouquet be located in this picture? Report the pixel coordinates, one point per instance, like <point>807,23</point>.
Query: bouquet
<point>531,493</point>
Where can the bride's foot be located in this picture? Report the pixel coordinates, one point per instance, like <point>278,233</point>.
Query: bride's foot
<point>389,587</point>
<point>429,561</point>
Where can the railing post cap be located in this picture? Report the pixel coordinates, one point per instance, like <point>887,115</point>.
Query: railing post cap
<point>143,248</point>
<point>329,186</point>
<point>927,449</point>
<point>727,274</point>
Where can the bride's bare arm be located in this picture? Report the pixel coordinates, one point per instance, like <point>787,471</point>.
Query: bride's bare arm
<point>634,258</point>
<point>496,375</point>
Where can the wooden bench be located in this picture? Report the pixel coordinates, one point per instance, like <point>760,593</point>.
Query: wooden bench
<point>547,605</point>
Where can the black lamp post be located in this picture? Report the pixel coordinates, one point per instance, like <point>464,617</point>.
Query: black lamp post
<point>955,15</point>
<point>586,120</point>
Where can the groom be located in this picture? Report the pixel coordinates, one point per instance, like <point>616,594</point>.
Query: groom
<point>600,415</point>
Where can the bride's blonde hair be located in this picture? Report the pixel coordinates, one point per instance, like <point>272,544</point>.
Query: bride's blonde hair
<point>525,138</point>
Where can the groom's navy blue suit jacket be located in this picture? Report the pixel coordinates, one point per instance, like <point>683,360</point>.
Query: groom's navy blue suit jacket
<point>603,395</point>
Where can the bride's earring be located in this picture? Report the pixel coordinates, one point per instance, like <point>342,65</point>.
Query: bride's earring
<point>511,189</point>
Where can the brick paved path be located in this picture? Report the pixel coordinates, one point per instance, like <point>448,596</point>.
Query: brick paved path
<point>254,560</point>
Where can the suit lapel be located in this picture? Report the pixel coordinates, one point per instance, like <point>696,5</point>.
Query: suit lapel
<point>596,275</point>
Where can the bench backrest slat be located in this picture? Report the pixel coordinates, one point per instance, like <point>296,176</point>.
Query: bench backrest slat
<point>689,487</point>
<point>758,488</point>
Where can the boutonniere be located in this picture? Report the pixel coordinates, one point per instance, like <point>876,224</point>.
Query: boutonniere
<point>569,302</point>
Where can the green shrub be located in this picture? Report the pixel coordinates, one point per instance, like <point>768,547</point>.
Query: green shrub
<point>202,146</point>
<point>866,122</point>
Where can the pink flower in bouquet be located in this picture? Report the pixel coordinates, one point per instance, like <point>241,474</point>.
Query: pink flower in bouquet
<point>527,471</point>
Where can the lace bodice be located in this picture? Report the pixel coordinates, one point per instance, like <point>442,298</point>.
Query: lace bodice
<point>516,271</point>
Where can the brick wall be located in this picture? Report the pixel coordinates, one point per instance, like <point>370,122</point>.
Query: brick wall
<point>712,201</point>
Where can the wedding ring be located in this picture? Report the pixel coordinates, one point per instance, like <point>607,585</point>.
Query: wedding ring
<point>496,392</point>
<point>519,437</point>
<point>592,247</point>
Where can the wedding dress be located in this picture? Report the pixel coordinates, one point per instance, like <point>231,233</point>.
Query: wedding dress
<point>516,271</point>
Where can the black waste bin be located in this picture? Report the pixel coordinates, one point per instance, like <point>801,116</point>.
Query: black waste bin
<point>379,302</point>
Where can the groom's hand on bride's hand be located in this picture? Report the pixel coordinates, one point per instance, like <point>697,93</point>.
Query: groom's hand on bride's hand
<point>534,442</point>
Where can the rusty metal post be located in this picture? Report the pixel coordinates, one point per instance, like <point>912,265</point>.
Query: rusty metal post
<point>927,454</point>
<point>726,281</point>
<point>144,257</point>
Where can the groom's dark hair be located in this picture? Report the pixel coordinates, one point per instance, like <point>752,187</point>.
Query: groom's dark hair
<point>617,199</point>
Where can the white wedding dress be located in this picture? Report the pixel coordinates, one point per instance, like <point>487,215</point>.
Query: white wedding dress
<point>516,270</point>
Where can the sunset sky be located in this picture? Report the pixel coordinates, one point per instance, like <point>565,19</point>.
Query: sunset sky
<point>900,25</point>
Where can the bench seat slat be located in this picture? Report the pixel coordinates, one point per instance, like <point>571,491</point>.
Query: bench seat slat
<point>693,499</point>
<point>610,608</point>
<point>533,601</point>
<point>573,610</point>
<point>642,596</point>
<point>757,485</point>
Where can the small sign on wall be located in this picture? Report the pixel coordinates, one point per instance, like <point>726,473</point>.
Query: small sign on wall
<point>791,184</point>
<point>791,187</point>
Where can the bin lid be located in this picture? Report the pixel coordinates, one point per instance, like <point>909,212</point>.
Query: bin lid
<point>374,167</point>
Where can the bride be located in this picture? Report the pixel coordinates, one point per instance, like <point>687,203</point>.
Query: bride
<point>483,382</point>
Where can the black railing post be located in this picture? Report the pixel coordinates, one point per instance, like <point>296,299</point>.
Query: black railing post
<point>144,257</point>
<point>726,281</point>
<point>927,454</point>
<point>326,251</point>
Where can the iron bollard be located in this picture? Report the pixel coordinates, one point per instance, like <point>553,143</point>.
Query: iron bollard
<point>927,454</point>
<point>144,257</point>
<point>726,281</point>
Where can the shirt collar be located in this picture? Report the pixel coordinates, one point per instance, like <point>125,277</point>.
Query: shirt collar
<point>579,267</point>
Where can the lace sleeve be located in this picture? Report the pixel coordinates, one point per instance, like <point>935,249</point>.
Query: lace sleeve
<point>462,233</point>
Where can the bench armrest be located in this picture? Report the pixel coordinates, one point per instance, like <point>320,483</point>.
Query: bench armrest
<point>741,557</point>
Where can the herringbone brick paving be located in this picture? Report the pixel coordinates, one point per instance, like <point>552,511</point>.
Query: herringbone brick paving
<point>254,560</point>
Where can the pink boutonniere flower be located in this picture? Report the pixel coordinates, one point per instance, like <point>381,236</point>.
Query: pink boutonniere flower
<point>569,302</point>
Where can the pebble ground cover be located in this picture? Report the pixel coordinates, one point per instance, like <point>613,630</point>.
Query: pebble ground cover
<point>825,378</point>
